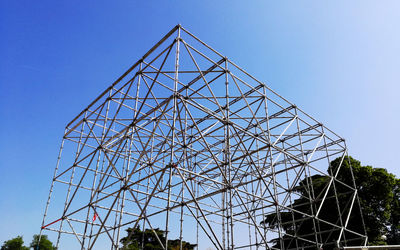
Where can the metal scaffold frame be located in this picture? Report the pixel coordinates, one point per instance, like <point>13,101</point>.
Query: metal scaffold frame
<point>188,142</point>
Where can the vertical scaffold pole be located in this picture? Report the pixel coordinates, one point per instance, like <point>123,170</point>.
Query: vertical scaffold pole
<point>175,110</point>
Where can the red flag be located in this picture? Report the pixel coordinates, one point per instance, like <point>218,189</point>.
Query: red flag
<point>94,216</point>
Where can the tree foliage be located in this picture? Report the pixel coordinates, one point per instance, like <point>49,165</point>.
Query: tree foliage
<point>148,239</point>
<point>44,244</point>
<point>379,195</point>
<point>376,193</point>
<point>394,221</point>
<point>16,243</point>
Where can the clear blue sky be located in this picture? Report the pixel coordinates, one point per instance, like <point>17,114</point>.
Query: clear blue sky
<point>338,60</point>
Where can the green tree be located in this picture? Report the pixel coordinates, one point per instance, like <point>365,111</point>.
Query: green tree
<point>137,238</point>
<point>44,244</point>
<point>16,243</point>
<point>375,188</point>
<point>394,229</point>
<point>378,193</point>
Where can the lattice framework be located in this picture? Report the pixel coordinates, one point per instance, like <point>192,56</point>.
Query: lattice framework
<point>189,142</point>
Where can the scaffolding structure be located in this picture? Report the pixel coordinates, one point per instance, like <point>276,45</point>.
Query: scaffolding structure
<point>188,142</point>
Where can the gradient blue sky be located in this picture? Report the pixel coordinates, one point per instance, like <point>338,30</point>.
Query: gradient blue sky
<point>337,60</point>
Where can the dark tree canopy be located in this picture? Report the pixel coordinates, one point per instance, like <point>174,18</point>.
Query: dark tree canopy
<point>378,191</point>
<point>394,221</point>
<point>44,244</point>
<point>16,243</point>
<point>137,238</point>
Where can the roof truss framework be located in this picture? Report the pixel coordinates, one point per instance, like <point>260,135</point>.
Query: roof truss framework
<point>189,142</point>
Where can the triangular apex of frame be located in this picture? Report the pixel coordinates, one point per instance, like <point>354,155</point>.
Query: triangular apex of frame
<point>173,34</point>
<point>180,62</point>
<point>156,55</point>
